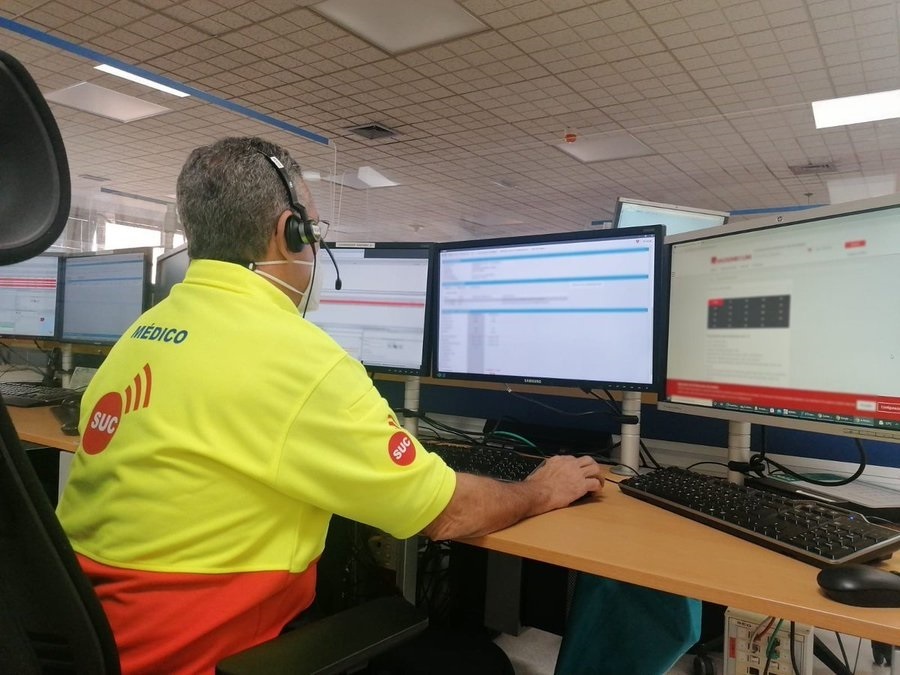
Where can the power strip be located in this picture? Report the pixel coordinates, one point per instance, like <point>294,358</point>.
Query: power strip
<point>748,646</point>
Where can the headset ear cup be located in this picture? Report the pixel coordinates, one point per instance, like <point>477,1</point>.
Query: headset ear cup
<point>292,234</point>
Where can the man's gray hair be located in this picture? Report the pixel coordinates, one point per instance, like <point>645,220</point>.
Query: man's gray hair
<point>230,197</point>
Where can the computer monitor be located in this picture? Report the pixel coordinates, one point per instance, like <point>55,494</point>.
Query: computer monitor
<point>380,314</point>
<point>30,298</point>
<point>790,321</point>
<point>103,293</point>
<point>171,267</point>
<point>580,309</point>
<point>677,219</point>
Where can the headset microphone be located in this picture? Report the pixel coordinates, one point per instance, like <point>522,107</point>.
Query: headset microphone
<point>337,273</point>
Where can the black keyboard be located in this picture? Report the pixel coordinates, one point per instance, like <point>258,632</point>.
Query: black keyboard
<point>804,529</point>
<point>28,394</point>
<point>496,462</point>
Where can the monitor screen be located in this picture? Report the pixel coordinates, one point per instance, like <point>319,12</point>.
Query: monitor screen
<point>103,294</point>
<point>380,314</point>
<point>171,267</point>
<point>576,309</point>
<point>677,219</point>
<point>792,324</point>
<point>29,298</point>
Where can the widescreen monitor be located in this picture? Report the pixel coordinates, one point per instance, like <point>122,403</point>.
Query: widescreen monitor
<point>581,309</point>
<point>793,323</point>
<point>103,294</point>
<point>171,267</point>
<point>380,314</point>
<point>677,219</point>
<point>30,297</point>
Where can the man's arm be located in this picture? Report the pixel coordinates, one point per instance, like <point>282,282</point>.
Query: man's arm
<point>482,505</point>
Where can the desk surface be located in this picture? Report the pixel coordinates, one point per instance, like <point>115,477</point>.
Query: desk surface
<point>38,425</point>
<point>623,538</point>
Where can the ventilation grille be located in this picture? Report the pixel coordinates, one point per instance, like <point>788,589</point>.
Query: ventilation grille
<point>373,132</point>
<point>811,169</point>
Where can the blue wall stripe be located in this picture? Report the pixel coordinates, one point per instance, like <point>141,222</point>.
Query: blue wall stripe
<point>91,55</point>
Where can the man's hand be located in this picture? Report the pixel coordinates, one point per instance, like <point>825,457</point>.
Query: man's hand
<point>563,479</point>
<point>481,505</point>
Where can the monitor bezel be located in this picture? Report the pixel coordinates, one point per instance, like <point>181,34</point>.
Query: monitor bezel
<point>755,225</point>
<point>673,207</point>
<point>57,319</point>
<point>660,309</point>
<point>146,294</point>
<point>424,369</point>
<point>161,260</point>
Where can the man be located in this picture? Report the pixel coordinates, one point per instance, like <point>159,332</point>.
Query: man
<point>224,430</point>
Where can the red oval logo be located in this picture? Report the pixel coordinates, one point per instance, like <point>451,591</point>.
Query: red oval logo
<point>103,423</point>
<point>401,449</point>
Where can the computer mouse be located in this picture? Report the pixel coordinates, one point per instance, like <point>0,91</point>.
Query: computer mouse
<point>861,585</point>
<point>68,413</point>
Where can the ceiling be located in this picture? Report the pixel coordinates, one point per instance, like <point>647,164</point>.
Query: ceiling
<point>719,91</point>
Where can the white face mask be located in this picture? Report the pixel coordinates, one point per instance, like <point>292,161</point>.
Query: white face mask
<point>309,298</point>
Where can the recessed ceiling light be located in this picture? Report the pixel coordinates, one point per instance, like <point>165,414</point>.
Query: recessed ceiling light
<point>118,72</point>
<point>604,147</point>
<point>401,25</point>
<point>835,112</point>
<point>90,98</point>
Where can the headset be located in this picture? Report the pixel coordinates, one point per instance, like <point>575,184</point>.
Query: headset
<point>300,229</point>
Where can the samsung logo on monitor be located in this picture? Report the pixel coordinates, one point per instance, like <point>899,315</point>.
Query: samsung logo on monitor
<point>531,380</point>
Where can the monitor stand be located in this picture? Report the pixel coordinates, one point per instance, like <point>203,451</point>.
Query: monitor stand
<point>630,444</point>
<point>738,448</point>
<point>409,548</point>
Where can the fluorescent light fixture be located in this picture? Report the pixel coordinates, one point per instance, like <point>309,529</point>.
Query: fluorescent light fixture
<point>104,102</point>
<point>401,25</point>
<point>835,112</point>
<point>310,175</point>
<point>604,147</point>
<point>118,72</point>
<point>861,187</point>
<point>365,177</point>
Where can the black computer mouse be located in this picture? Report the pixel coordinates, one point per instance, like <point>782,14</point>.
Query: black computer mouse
<point>861,585</point>
<point>68,413</point>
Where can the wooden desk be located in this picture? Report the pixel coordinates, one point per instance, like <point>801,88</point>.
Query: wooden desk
<point>38,425</point>
<point>623,538</point>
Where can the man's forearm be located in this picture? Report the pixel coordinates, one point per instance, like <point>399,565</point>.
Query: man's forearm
<point>481,505</point>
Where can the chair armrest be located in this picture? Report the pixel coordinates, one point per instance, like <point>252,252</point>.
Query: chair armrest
<point>333,644</point>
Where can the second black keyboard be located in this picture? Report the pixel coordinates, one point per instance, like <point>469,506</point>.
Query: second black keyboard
<point>805,529</point>
<point>29,394</point>
<point>485,460</point>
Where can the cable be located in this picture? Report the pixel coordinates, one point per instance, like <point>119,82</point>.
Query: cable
<point>770,646</point>
<point>691,466</point>
<point>610,402</point>
<point>406,412</point>
<point>550,407</point>
<point>656,465</point>
<point>863,460</point>
<point>510,434</point>
<point>843,651</point>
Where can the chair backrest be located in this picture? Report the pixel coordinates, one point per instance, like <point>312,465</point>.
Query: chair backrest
<point>50,618</point>
<point>35,188</point>
<point>51,621</point>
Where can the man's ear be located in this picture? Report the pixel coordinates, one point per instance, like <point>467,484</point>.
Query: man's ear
<point>279,240</point>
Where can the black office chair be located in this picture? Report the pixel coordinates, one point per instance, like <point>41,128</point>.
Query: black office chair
<point>51,621</point>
